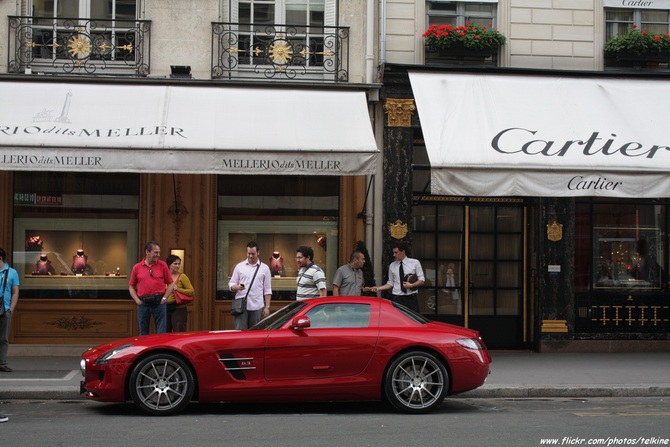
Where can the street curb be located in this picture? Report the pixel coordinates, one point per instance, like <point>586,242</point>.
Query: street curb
<point>534,391</point>
<point>497,392</point>
<point>41,393</point>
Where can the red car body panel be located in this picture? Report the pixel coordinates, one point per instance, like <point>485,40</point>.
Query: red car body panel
<point>286,364</point>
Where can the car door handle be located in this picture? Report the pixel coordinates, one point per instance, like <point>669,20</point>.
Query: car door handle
<point>321,368</point>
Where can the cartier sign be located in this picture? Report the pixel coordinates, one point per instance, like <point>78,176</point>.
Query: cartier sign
<point>512,136</point>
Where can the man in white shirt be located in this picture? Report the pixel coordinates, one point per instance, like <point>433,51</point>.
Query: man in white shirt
<point>252,280</point>
<point>405,276</point>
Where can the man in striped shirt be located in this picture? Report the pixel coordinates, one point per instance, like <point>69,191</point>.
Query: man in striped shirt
<point>311,279</point>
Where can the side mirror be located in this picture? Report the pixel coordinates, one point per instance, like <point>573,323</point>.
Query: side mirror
<point>300,323</point>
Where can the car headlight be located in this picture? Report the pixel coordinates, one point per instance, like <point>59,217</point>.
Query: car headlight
<point>470,343</point>
<point>104,358</point>
<point>82,367</point>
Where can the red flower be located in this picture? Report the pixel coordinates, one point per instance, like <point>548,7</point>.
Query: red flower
<point>657,37</point>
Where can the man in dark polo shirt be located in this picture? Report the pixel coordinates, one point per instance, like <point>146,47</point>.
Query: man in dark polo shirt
<point>150,284</point>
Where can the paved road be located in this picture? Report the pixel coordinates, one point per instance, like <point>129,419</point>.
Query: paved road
<point>460,421</point>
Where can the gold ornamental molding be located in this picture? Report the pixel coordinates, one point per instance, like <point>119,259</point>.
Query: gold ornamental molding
<point>554,231</point>
<point>554,326</point>
<point>398,230</point>
<point>399,112</point>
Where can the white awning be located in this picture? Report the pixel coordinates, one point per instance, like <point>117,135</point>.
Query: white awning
<point>187,129</point>
<point>522,135</point>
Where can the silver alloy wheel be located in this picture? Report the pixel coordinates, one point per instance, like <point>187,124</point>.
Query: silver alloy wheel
<point>416,382</point>
<point>161,384</point>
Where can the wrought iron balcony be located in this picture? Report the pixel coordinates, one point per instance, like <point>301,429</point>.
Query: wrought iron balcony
<point>79,46</point>
<point>281,52</point>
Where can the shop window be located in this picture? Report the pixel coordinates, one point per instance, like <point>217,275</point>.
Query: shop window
<point>280,213</point>
<point>627,247</point>
<point>75,234</point>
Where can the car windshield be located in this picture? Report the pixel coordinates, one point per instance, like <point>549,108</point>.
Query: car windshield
<point>277,319</point>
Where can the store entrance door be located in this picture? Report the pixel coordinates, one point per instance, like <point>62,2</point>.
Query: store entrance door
<point>474,258</point>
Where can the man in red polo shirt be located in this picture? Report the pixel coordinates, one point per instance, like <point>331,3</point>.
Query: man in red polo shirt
<point>150,284</point>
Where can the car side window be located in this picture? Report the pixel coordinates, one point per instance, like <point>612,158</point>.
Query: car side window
<point>339,315</point>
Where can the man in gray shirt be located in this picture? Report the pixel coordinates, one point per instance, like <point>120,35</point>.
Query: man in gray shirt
<point>348,279</point>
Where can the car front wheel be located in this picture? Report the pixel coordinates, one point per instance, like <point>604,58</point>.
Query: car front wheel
<point>161,384</point>
<point>416,382</point>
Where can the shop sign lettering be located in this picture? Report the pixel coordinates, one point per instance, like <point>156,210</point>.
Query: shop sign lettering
<point>505,142</point>
<point>273,164</point>
<point>50,160</point>
<point>96,133</point>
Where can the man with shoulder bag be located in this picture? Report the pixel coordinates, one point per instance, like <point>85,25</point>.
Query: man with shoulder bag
<point>252,283</point>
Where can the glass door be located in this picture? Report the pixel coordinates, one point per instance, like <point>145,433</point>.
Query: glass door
<point>475,265</point>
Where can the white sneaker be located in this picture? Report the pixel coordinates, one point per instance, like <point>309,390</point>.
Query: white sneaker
<point>3,418</point>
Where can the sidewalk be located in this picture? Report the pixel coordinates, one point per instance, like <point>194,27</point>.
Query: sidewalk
<point>55,375</point>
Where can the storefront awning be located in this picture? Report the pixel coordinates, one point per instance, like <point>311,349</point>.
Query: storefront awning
<point>48,126</point>
<point>532,135</point>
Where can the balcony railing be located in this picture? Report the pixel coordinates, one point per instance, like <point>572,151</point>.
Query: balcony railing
<point>283,52</point>
<point>79,46</point>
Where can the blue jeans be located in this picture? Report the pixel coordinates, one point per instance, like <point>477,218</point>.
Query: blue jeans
<point>144,314</point>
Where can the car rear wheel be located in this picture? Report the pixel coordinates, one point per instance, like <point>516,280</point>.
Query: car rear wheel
<point>416,382</point>
<point>162,384</point>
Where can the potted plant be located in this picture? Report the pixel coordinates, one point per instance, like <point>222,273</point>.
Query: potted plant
<point>468,40</point>
<point>639,45</point>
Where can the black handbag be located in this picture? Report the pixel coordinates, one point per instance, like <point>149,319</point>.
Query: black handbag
<point>239,306</point>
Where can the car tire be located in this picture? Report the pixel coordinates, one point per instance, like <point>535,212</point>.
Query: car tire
<point>162,384</point>
<point>416,382</point>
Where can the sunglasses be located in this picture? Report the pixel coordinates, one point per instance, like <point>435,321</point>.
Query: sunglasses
<point>151,273</point>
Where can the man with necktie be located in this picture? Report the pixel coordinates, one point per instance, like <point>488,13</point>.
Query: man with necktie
<point>404,278</point>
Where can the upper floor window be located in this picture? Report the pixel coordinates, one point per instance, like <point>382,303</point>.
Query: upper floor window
<point>290,12</point>
<point>281,39</point>
<point>620,21</point>
<point>459,13</point>
<point>98,9</point>
<point>80,37</point>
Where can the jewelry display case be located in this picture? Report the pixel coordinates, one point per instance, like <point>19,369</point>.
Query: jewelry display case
<point>74,254</point>
<point>627,257</point>
<point>276,239</point>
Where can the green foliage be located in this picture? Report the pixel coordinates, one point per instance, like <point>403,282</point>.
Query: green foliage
<point>638,42</point>
<point>470,36</point>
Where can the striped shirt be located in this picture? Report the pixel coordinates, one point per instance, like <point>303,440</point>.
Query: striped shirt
<point>310,280</point>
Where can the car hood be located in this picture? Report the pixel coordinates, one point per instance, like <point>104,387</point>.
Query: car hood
<point>458,330</point>
<point>150,341</point>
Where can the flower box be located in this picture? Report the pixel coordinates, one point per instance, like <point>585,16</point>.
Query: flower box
<point>459,52</point>
<point>639,46</point>
<point>463,41</point>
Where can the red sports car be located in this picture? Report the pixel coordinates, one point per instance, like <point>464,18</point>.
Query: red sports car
<point>324,349</point>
